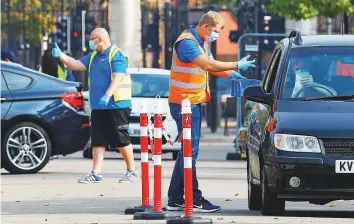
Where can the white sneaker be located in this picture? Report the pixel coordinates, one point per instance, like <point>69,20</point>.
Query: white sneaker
<point>129,177</point>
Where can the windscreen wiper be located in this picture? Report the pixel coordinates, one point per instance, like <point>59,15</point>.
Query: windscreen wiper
<point>342,98</point>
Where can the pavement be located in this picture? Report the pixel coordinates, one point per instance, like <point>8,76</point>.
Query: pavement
<point>54,196</point>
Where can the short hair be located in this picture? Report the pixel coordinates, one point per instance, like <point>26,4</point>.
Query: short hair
<point>212,18</point>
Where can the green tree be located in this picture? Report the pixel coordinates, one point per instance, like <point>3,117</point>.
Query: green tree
<point>36,17</point>
<point>305,9</point>
<point>224,3</point>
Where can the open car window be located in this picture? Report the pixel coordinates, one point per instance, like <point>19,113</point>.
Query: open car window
<point>319,72</point>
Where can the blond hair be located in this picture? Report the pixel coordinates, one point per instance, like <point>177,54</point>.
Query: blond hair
<point>212,18</point>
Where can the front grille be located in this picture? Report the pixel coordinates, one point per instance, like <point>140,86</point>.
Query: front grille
<point>339,147</point>
<point>136,119</point>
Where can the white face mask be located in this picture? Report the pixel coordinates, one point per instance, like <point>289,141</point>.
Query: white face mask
<point>213,36</point>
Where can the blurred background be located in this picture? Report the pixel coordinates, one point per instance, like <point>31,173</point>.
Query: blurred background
<point>147,29</point>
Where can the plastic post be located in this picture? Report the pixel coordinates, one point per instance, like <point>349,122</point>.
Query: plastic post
<point>188,217</point>
<point>187,154</point>
<point>144,147</point>
<point>157,151</point>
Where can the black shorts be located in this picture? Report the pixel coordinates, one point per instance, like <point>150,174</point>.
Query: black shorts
<point>110,128</point>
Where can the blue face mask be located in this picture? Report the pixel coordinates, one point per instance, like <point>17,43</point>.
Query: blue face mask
<point>92,45</point>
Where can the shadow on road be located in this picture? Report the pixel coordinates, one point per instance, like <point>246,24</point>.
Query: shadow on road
<point>102,205</point>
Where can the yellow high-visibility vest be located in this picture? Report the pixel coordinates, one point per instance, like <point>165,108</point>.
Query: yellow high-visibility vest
<point>124,90</point>
<point>62,73</point>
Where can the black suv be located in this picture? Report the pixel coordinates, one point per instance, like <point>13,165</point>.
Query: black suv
<point>300,143</point>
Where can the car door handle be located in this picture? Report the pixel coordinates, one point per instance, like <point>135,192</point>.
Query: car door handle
<point>2,99</point>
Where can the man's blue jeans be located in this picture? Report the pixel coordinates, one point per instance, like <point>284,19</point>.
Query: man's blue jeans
<point>176,190</point>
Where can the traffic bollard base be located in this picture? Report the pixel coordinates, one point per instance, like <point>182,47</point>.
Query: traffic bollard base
<point>151,215</point>
<point>189,220</point>
<point>133,210</point>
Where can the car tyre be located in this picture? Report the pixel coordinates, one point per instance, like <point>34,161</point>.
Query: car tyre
<point>25,141</point>
<point>254,192</point>
<point>270,203</point>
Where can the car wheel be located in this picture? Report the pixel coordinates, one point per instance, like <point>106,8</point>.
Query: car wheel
<point>174,155</point>
<point>26,148</point>
<point>254,192</point>
<point>270,203</point>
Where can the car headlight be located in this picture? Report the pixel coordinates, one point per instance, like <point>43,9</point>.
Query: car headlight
<point>297,143</point>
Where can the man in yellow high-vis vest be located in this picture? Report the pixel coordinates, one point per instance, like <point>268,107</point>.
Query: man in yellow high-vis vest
<point>110,100</point>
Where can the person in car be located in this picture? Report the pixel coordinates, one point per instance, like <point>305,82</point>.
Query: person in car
<point>54,67</point>
<point>110,100</point>
<point>191,62</point>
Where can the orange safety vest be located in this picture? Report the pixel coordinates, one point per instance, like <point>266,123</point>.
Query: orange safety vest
<point>187,80</point>
<point>345,69</point>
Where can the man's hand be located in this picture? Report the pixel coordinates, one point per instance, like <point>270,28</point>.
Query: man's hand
<point>243,64</point>
<point>235,76</point>
<point>56,52</point>
<point>104,100</point>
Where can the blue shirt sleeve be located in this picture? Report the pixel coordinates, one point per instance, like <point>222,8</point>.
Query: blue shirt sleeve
<point>188,50</point>
<point>85,60</point>
<point>119,63</point>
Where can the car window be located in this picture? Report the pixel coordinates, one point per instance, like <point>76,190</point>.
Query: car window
<point>3,84</point>
<point>269,79</point>
<point>16,81</point>
<point>319,71</point>
<point>150,85</point>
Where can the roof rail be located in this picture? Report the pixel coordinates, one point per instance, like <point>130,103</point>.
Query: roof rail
<point>297,36</point>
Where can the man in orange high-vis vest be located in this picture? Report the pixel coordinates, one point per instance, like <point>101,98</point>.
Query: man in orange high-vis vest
<point>191,62</point>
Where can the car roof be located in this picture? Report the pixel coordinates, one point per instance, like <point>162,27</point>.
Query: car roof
<point>325,41</point>
<point>147,71</point>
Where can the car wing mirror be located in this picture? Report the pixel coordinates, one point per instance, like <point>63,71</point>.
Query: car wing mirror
<point>256,93</point>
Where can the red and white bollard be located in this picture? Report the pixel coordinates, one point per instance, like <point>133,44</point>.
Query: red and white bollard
<point>144,148</point>
<point>188,170</point>
<point>156,213</point>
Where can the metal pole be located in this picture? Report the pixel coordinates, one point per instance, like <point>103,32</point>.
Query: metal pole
<point>68,35</point>
<point>83,31</point>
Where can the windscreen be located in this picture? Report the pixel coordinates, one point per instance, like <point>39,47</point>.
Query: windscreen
<point>149,85</point>
<point>319,71</point>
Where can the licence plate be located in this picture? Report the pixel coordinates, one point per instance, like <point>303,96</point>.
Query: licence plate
<point>344,166</point>
<point>134,132</point>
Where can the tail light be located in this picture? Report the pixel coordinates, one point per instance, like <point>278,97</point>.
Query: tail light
<point>74,99</point>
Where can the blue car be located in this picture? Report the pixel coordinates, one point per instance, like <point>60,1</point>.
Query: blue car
<point>41,116</point>
<point>300,142</point>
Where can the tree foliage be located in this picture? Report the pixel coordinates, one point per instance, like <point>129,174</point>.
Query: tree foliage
<point>224,3</point>
<point>30,18</point>
<point>305,9</point>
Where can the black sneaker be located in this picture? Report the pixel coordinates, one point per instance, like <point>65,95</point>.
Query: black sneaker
<point>175,206</point>
<point>205,206</point>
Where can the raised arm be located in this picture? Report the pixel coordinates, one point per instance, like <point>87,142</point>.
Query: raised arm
<point>72,63</point>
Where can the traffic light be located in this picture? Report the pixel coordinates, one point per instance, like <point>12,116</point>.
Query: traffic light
<point>62,33</point>
<point>90,25</point>
<point>76,32</point>
<point>234,35</point>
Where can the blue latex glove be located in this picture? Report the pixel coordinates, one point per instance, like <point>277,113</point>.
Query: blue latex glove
<point>243,64</point>
<point>56,51</point>
<point>235,76</point>
<point>104,100</point>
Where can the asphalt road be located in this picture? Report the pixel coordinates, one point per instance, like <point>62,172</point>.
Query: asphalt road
<point>54,196</point>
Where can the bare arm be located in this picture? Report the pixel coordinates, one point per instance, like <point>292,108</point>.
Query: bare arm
<point>212,65</point>
<point>222,73</point>
<point>118,78</point>
<point>72,63</point>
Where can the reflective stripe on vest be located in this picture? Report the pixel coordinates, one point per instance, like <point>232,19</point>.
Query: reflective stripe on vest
<point>187,80</point>
<point>124,90</point>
